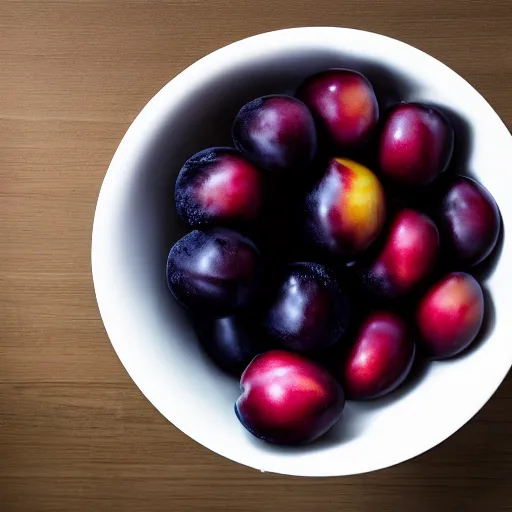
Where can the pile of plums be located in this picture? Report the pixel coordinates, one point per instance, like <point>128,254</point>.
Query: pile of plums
<point>329,249</point>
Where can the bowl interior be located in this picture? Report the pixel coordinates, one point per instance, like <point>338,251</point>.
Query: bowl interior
<point>135,226</point>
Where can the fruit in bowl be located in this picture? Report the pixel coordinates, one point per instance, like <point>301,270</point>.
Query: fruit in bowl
<point>407,257</point>
<point>380,358</point>
<point>215,271</point>
<point>276,132</point>
<point>469,221</point>
<point>231,341</point>
<point>416,144</point>
<point>346,210</point>
<point>450,315</point>
<point>136,225</point>
<point>310,311</point>
<point>218,186</point>
<point>344,105</point>
<point>287,398</point>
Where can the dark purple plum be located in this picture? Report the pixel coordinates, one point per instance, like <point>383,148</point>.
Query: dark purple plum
<point>416,144</point>
<point>276,132</point>
<point>344,106</point>
<point>231,341</point>
<point>218,186</point>
<point>309,311</point>
<point>380,358</point>
<point>214,272</point>
<point>469,221</point>
<point>288,399</point>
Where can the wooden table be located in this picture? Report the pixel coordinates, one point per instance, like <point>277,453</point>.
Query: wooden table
<point>75,432</point>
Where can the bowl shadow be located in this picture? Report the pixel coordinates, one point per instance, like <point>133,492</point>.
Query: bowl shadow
<point>420,369</point>
<point>347,428</point>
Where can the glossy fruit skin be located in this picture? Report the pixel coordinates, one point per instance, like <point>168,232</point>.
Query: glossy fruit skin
<point>230,341</point>
<point>276,132</point>
<point>416,144</point>
<point>469,221</point>
<point>343,104</point>
<point>346,209</point>
<point>214,272</point>
<point>450,315</point>
<point>380,358</point>
<point>310,311</point>
<point>407,257</point>
<point>288,399</point>
<point>218,186</point>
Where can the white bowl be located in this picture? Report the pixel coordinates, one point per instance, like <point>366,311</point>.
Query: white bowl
<point>135,225</point>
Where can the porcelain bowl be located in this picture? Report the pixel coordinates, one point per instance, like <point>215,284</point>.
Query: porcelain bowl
<point>135,225</point>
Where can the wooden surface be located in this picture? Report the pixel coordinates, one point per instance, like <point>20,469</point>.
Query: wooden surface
<point>75,432</point>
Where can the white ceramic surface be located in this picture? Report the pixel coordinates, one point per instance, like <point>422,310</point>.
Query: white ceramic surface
<point>135,225</point>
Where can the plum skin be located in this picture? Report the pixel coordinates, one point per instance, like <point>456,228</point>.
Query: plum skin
<point>469,221</point>
<point>310,311</point>
<point>231,341</point>
<point>450,315</point>
<point>380,359</point>
<point>288,399</point>
<point>407,258</point>
<point>214,272</point>
<point>218,186</point>
<point>346,210</point>
<point>343,104</point>
<point>276,132</point>
<point>416,144</point>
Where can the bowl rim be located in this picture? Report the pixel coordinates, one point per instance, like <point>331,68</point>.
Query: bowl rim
<point>321,33</point>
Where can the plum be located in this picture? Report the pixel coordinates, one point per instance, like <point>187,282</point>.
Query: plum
<point>406,258</point>
<point>288,399</point>
<point>380,358</point>
<point>416,144</point>
<point>468,219</point>
<point>231,341</point>
<point>310,311</point>
<point>450,315</point>
<point>346,209</point>
<point>343,104</point>
<point>218,186</point>
<point>214,272</point>
<point>276,132</point>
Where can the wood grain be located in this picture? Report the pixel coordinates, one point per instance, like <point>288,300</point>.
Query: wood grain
<point>75,432</point>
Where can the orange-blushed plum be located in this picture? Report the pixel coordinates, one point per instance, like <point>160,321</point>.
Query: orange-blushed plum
<point>407,257</point>
<point>288,399</point>
<point>344,106</point>
<point>346,209</point>
<point>380,358</point>
<point>218,186</point>
<point>450,315</point>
